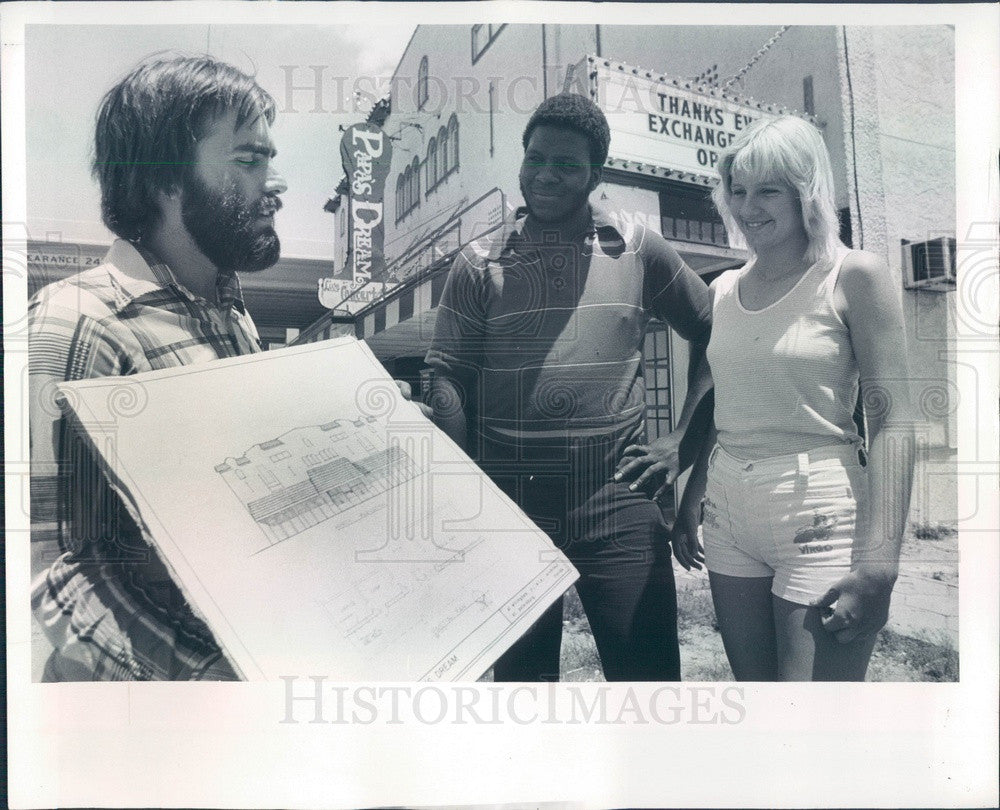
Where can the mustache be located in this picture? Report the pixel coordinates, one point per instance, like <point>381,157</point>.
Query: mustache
<point>271,204</point>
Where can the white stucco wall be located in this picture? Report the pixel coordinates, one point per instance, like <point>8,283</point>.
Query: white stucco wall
<point>899,81</point>
<point>456,85</point>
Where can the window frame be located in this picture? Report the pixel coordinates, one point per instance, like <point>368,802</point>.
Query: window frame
<point>452,127</point>
<point>657,359</point>
<point>687,215</point>
<point>431,165</point>
<point>423,91</point>
<point>447,134</point>
<point>442,149</point>
<point>492,32</point>
<point>401,196</point>
<point>657,372</point>
<point>408,190</point>
<point>415,180</point>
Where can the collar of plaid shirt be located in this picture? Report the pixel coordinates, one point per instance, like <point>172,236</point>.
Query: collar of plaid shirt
<point>135,271</point>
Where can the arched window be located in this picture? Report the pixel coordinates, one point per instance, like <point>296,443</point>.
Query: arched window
<point>400,196</point>
<point>443,157</point>
<point>422,84</point>
<point>432,164</point>
<point>415,183</point>
<point>453,141</point>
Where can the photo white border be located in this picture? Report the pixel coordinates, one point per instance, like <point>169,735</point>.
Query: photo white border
<point>170,744</point>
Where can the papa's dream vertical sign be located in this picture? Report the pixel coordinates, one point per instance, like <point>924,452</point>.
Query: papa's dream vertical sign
<point>366,152</point>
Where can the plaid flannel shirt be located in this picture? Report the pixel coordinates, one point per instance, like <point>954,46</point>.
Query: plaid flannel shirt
<point>107,603</point>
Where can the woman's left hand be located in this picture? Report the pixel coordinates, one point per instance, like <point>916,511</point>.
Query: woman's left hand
<point>858,605</point>
<point>407,392</point>
<point>684,538</point>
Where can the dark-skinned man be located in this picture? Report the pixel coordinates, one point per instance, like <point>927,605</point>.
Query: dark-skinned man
<point>537,359</point>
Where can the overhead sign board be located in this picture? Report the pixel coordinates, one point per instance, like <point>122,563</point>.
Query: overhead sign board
<point>658,121</point>
<point>349,297</point>
<point>366,153</point>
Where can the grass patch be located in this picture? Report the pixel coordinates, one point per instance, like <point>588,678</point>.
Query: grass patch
<point>932,531</point>
<point>695,611</point>
<point>703,658</point>
<point>702,655</point>
<point>902,658</point>
<point>896,658</point>
<point>579,660</point>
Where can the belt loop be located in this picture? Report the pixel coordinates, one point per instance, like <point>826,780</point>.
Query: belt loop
<point>803,459</point>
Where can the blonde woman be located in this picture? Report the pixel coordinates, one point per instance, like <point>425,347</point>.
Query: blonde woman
<point>801,522</point>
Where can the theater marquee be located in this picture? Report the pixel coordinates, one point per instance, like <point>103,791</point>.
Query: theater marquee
<point>668,123</point>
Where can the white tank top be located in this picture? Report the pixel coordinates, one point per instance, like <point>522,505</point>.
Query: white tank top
<point>786,379</point>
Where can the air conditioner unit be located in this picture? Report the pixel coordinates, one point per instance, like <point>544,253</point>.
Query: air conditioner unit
<point>929,265</point>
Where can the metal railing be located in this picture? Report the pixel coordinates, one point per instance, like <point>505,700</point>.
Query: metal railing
<point>416,264</point>
<point>694,230</point>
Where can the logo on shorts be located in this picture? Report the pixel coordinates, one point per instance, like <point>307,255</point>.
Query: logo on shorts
<point>708,513</point>
<point>822,527</point>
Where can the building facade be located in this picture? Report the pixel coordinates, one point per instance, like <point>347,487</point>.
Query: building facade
<point>883,99</point>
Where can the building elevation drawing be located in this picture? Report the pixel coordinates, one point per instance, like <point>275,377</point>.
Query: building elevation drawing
<point>311,474</point>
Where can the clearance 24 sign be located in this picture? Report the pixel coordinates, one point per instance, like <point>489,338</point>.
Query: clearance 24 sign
<point>658,122</point>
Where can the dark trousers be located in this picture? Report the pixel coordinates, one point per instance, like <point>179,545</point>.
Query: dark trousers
<point>618,542</point>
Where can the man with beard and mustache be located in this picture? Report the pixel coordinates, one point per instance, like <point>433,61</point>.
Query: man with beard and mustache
<point>537,358</point>
<point>183,154</point>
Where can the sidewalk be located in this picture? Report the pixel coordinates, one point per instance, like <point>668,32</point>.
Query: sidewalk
<point>925,599</point>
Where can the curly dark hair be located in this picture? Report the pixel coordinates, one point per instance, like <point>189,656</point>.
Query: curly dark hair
<point>148,126</point>
<point>575,112</point>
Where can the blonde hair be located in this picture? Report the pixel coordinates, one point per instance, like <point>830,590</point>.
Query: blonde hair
<point>788,150</point>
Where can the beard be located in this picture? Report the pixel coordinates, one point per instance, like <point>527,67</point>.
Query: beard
<point>224,225</point>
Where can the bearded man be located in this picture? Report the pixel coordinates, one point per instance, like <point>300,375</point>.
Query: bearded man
<point>183,155</point>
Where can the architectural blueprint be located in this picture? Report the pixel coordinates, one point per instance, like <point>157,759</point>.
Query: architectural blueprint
<point>318,522</point>
<point>311,474</point>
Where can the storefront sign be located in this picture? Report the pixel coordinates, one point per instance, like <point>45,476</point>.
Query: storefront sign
<point>51,261</point>
<point>67,256</point>
<point>348,296</point>
<point>658,122</point>
<point>366,152</point>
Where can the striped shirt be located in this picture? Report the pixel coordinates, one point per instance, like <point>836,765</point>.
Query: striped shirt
<point>107,601</point>
<point>545,339</point>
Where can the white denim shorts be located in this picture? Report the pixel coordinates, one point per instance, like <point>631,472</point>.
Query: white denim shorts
<point>791,517</point>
